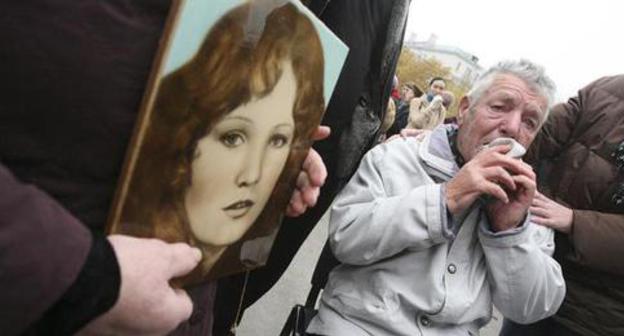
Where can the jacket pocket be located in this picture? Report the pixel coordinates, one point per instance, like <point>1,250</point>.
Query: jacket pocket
<point>379,303</point>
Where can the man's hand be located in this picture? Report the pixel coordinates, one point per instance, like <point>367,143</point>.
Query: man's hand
<point>549,213</point>
<point>509,181</point>
<point>505,216</point>
<point>310,179</point>
<point>147,304</point>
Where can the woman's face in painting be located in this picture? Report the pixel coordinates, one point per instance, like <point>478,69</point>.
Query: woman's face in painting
<point>238,162</point>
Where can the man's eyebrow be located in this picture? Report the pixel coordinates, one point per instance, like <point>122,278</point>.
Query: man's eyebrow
<point>505,97</point>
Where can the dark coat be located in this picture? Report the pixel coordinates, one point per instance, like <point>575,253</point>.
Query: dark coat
<point>581,148</point>
<point>401,119</point>
<point>73,75</point>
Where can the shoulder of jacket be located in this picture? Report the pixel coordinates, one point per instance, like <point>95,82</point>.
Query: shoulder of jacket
<point>393,149</point>
<point>612,84</point>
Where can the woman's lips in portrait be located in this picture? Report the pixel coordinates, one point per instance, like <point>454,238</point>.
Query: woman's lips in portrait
<point>238,209</point>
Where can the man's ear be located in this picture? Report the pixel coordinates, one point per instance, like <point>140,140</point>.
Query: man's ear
<point>463,110</point>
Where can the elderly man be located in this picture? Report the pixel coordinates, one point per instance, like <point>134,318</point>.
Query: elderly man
<point>430,233</point>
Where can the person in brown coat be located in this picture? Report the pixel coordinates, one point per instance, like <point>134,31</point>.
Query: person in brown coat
<point>580,155</point>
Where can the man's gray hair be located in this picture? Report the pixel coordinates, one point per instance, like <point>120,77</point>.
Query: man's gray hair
<point>532,74</point>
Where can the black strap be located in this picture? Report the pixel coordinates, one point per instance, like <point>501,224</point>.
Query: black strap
<point>313,295</point>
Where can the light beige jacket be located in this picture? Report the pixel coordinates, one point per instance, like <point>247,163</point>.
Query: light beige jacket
<point>425,115</point>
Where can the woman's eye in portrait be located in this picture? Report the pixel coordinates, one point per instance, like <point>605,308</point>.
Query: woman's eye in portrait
<point>232,139</point>
<point>279,140</point>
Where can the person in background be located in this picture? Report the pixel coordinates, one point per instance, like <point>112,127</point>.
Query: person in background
<point>436,86</point>
<point>394,94</point>
<point>425,115</point>
<point>580,151</point>
<point>430,233</point>
<point>448,98</point>
<point>409,92</point>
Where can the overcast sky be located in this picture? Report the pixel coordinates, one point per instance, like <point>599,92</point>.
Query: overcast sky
<point>577,41</point>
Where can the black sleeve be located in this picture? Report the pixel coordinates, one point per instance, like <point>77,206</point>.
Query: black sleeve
<point>93,293</point>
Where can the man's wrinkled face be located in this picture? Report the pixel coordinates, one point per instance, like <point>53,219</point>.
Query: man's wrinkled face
<point>508,108</point>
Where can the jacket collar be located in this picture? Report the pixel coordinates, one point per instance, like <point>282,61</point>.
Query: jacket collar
<point>436,152</point>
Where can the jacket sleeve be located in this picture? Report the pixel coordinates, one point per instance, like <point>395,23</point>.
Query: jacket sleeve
<point>367,225</point>
<point>42,250</point>
<point>598,239</point>
<point>525,281</point>
<point>556,132</point>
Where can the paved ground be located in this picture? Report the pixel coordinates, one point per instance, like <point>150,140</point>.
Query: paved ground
<point>267,316</point>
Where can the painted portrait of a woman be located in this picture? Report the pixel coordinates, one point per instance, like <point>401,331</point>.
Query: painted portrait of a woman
<point>226,138</point>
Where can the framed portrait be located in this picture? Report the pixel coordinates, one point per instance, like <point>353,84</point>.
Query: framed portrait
<point>236,92</point>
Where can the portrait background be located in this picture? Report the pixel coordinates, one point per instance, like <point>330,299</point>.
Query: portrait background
<point>197,17</point>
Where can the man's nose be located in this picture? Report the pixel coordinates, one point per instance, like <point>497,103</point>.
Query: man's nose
<point>510,125</point>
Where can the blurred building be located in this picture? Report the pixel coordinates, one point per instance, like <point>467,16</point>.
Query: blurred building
<point>464,66</point>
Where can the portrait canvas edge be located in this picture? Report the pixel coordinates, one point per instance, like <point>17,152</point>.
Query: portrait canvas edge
<point>143,115</point>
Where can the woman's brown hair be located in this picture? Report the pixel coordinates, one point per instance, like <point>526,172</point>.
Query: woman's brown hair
<point>230,68</point>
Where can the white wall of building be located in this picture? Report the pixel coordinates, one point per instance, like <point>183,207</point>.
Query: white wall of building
<point>462,70</point>
<point>463,66</point>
